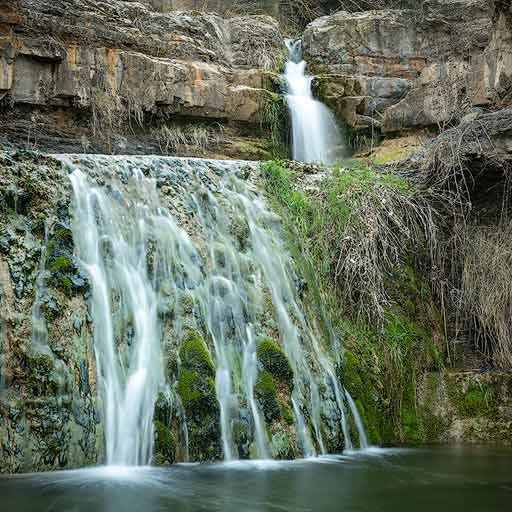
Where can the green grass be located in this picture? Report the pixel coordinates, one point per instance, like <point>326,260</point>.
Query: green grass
<point>382,360</point>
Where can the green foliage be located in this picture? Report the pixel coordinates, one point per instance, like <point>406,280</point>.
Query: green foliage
<point>287,414</point>
<point>66,283</point>
<point>265,392</point>
<point>356,229</point>
<point>274,119</point>
<point>274,360</point>
<point>478,400</point>
<point>380,304</point>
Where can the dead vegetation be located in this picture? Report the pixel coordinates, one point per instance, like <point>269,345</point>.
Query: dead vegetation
<point>175,139</point>
<point>362,227</point>
<point>470,168</point>
<point>384,225</point>
<point>461,158</point>
<point>487,290</point>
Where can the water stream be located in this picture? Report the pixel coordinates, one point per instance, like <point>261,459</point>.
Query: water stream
<point>393,480</point>
<point>316,137</point>
<point>150,231</point>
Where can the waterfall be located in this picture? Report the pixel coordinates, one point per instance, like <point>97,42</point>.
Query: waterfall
<point>112,230</point>
<point>153,231</point>
<point>316,137</point>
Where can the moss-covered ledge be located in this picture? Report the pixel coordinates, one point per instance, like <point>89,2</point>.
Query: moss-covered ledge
<point>466,406</point>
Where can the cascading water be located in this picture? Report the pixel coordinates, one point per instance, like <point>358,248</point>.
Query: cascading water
<point>316,137</point>
<point>112,231</point>
<point>221,249</point>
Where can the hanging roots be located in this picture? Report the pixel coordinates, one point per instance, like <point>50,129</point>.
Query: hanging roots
<point>487,290</point>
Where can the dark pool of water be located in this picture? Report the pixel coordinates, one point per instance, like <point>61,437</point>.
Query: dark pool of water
<point>434,480</point>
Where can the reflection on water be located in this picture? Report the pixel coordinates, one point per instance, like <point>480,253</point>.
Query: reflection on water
<point>469,479</point>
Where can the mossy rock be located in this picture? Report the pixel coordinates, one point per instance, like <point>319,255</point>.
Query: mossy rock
<point>412,430</point>
<point>163,408</point>
<point>478,400</point>
<point>274,361</point>
<point>197,393</point>
<point>194,356</point>
<point>42,378</point>
<point>165,444</point>
<point>265,392</point>
<point>286,413</point>
<point>352,375</point>
<point>60,263</point>
<point>196,389</point>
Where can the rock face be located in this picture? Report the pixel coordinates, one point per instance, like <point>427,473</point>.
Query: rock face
<point>400,69</point>
<point>81,73</point>
<point>48,413</point>
<point>467,406</point>
<point>221,6</point>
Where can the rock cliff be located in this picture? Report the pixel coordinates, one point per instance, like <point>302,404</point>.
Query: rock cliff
<point>403,69</point>
<point>119,76</point>
<point>49,418</point>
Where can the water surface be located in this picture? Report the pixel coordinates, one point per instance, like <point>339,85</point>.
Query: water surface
<point>434,480</point>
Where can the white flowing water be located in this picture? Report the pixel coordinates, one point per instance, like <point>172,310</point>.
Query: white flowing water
<point>150,230</point>
<point>316,137</point>
<point>112,232</point>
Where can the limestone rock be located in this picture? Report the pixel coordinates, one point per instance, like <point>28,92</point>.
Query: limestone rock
<point>413,68</point>
<point>86,67</point>
<point>466,406</point>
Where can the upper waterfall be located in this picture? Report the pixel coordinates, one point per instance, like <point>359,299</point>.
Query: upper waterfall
<point>316,137</point>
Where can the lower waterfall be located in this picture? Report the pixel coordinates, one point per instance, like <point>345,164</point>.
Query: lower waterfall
<point>172,246</point>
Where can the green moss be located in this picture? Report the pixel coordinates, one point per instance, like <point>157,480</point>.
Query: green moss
<point>194,356</point>
<point>61,236</point>
<point>60,263</point>
<point>197,393</point>
<point>165,444</point>
<point>252,149</point>
<point>265,392</point>
<point>478,400</point>
<point>196,389</point>
<point>66,283</point>
<point>352,375</point>
<point>362,384</point>
<point>163,408</point>
<point>41,377</point>
<point>274,360</point>
<point>286,413</point>
<point>412,429</point>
